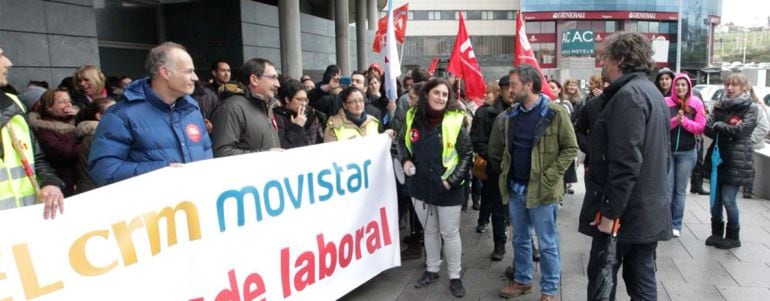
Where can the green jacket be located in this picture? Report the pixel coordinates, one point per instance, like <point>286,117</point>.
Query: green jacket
<point>554,150</point>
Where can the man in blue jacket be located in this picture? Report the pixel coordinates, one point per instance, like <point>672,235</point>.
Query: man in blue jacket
<point>155,124</point>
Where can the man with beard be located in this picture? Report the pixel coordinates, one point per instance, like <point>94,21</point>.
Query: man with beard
<point>629,147</point>
<point>531,145</point>
<point>244,122</point>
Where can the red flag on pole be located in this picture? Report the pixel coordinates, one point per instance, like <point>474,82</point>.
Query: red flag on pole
<point>400,15</point>
<point>523,54</point>
<point>464,65</point>
<point>433,65</point>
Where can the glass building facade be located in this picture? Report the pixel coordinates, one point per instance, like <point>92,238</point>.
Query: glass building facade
<point>557,28</point>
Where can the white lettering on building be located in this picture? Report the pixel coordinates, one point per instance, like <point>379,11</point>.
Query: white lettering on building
<point>641,15</point>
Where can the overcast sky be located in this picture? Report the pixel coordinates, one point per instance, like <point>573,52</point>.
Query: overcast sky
<point>745,12</point>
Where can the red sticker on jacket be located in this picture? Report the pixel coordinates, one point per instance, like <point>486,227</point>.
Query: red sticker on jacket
<point>194,132</point>
<point>414,135</point>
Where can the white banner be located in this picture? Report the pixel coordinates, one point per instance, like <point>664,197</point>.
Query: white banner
<point>306,224</point>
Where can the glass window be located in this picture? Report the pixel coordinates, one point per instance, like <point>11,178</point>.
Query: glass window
<point>410,15</point>
<point>434,15</point>
<point>663,27</point>
<point>548,27</point>
<point>654,27</point>
<point>501,15</point>
<point>448,15</point>
<point>632,26</point>
<point>584,25</point>
<point>128,22</point>
<point>473,15</point>
<point>644,26</point>
<point>598,26</point>
<point>533,27</point>
<point>457,15</point>
<point>420,15</point>
<point>612,26</point>
<point>511,15</point>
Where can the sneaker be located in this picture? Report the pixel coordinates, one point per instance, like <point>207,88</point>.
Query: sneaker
<point>481,228</point>
<point>498,252</point>
<point>456,286</point>
<point>676,233</point>
<point>515,289</point>
<point>426,279</point>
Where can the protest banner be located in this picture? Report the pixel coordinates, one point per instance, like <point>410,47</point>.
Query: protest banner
<point>310,223</point>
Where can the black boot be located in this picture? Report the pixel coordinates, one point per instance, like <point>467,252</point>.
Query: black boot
<point>732,238</point>
<point>717,232</point>
<point>499,252</point>
<point>413,250</point>
<point>696,184</point>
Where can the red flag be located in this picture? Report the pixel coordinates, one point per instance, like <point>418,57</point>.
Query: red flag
<point>400,15</point>
<point>523,54</point>
<point>464,65</point>
<point>433,65</point>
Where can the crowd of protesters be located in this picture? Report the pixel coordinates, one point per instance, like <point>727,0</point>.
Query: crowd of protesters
<point>514,157</point>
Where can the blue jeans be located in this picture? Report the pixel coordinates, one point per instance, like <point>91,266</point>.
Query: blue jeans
<point>543,219</point>
<point>726,197</point>
<point>682,163</point>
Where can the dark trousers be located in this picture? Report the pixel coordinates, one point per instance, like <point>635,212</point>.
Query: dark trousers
<point>492,204</point>
<point>638,262</point>
<point>405,207</point>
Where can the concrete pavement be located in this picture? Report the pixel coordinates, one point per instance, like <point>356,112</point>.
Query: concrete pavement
<point>687,269</point>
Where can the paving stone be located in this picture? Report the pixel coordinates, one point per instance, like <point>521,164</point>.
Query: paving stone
<point>689,291</point>
<point>752,252</point>
<point>744,293</point>
<point>747,274</point>
<point>704,271</point>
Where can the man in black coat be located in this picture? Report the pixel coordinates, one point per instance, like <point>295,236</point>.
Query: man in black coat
<point>629,150</point>
<point>491,201</point>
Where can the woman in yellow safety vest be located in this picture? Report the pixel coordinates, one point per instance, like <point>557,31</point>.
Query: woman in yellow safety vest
<point>436,150</point>
<point>351,120</point>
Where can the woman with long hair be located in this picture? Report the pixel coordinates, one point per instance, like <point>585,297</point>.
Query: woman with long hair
<point>54,125</point>
<point>570,175</point>
<point>436,150</point>
<point>688,119</point>
<point>572,94</point>
<point>731,124</point>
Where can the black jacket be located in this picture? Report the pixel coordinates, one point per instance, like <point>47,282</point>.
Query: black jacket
<point>324,102</point>
<point>292,135</point>
<point>45,174</point>
<point>585,120</point>
<point>629,150</point>
<point>735,145</point>
<point>426,184</point>
<point>482,126</point>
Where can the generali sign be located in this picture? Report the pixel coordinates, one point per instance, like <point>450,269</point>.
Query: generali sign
<point>601,15</point>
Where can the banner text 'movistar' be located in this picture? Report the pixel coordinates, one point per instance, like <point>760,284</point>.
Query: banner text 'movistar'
<point>274,193</point>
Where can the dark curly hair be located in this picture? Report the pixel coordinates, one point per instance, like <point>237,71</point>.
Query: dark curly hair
<point>422,103</point>
<point>631,50</point>
<point>288,89</point>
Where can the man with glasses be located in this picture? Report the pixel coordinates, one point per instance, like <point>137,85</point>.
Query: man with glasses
<point>244,122</point>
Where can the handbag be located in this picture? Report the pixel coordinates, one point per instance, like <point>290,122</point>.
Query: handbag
<point>479,167</point>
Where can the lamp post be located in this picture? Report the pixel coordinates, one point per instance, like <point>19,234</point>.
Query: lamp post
<point>679,39</point>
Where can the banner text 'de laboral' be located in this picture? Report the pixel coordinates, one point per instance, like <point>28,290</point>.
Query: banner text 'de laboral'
<point>306,224</point>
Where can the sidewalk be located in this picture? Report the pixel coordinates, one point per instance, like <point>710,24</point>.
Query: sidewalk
<point>687,268</point>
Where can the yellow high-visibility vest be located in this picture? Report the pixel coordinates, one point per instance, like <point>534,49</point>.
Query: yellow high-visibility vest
<point>450,130</point>
<point>343,133</point>
<point>16,189</point>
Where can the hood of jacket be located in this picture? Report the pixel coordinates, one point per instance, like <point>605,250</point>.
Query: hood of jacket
<point>38,122</point>
<point>87,127</point>
<point>673,87</point>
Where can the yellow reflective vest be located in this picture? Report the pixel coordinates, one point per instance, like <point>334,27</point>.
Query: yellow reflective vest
<point>450,130</point>
<point>16,189</point>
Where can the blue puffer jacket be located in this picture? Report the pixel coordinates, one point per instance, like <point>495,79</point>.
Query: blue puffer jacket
<point>141,133</point>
